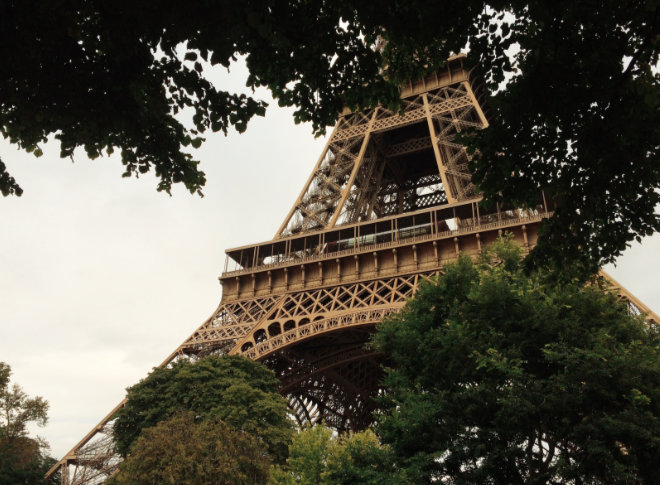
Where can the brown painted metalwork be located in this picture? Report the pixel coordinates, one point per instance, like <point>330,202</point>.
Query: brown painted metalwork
<point>389,202</point>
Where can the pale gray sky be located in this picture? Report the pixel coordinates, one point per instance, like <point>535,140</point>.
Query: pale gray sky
<point>102,277</point>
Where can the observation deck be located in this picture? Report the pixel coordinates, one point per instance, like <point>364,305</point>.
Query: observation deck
<point>410,242</point>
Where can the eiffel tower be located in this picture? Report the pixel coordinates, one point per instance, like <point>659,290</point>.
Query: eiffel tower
<point>388,203</point>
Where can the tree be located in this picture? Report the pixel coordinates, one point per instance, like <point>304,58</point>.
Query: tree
<point>23,460</point>
<point>579,120</point>
<point>573,100</point>
<point>317,457</point>
<point>360,458</point>
<point>188,451</point>
<point>240,392</point>
<point>308,455</point>
<point>500,377</point>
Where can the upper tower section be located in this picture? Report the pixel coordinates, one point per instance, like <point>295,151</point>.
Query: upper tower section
<point>380,163</point>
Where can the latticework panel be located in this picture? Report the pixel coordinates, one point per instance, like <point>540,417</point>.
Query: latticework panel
<point>320,198</point>
<point>413,112</point>
<point>93,462</point>
<point>306,314</point>
<point>308,330</point>
<point>414,193</point>
<point>232,321</point>
<point>445,126</point>
<point>331,378</point>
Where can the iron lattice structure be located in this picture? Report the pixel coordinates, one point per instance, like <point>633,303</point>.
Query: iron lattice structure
<point>389,202</point>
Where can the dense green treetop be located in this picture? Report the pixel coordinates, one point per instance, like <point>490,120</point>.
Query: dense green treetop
<point>317,456</point>
<point>308,457</point>
<point>579,117</point>
<point>240,392</point>
<point>361,458</point>
<point>185,450</point>
<point>500,377</point>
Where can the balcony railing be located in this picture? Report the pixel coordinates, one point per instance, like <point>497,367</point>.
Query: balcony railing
<point>467,228</point>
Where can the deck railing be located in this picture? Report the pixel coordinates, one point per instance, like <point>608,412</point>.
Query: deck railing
<point>465,229</point>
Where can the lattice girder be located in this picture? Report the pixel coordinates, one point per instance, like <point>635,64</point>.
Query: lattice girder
<point>305,314</point>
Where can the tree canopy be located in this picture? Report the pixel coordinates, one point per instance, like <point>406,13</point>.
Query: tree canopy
<point>188,451</point>
<point>240,392</point>
<point>319,457</point>
<point>578,116</point>
<point>308,456</point>
<point>500,377</point>
<point>23,459</point>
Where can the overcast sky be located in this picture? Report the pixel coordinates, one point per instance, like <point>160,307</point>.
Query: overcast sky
<point>102,277</point>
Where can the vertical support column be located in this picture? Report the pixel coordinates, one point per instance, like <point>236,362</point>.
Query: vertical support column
<point>356,167</point>
<point>438,157</point>
<point>311,177</point>
<point>375,262</point>
<point>478,236</point>
<point>255,256</point>
<point>475,103</point>
<point>456,247</point>
<point>338,261</point>
<point>379,179</point>
<point>64,473</point>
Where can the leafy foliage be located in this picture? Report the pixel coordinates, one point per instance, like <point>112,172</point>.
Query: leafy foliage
<point>317,457</point>
<point>23,460</point>
<point>501,377</point>
<point>188,451</point>
<point>308,457</point>
<point>360,458</point>
<point>578,118</point>
<point>240,392</point>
